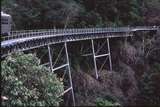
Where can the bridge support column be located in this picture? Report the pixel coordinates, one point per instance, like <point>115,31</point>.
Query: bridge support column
<point>50,57</point>
<point>109,54</point>
<point>60,67</point>
<point>69,72</point>
<point>102,55</point>
<point>94,59</point>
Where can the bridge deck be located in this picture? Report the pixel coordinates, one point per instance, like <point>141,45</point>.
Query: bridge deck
<point>22,40</point>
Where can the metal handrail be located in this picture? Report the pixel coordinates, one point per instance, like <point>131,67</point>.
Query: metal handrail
<point>44,32</point>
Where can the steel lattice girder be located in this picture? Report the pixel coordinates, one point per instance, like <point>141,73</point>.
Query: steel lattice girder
<point>30,43</point>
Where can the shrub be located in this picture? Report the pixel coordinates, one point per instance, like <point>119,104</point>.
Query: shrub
<point>100,102</point>
<point>26,83</point>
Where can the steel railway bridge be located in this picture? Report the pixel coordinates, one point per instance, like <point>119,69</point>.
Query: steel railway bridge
<point>30,39</point>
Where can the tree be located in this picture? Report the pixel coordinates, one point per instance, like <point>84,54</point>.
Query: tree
<point>32,14</point>
<point>26,83</point>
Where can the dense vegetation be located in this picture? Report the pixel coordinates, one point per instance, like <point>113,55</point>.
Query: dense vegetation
<point>28,14</point>
<point>26,83</point>
<point>136,76</point>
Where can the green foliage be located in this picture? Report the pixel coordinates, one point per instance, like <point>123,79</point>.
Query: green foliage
<point>73,13</point>
<point>156,67</point>
<point>26,83</point>
<point>103,103</point>
<point>41,13</point>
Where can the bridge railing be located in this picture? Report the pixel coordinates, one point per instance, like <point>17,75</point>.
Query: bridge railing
<point>44,32</point>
